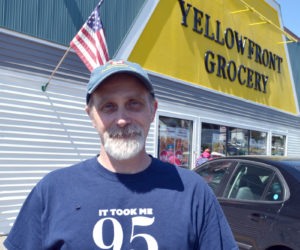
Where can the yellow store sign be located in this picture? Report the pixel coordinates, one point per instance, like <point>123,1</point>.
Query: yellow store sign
<point>222,45</point>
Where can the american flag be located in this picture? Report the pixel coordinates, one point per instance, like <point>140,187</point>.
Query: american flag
<point>89,43</point>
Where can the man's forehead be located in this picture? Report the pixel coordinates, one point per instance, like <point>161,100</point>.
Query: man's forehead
<point>118,98</point>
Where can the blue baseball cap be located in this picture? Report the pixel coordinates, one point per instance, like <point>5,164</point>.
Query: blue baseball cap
<point>112,67</point>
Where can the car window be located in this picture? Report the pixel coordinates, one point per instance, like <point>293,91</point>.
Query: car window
<point>275,191</point>
<point>249,182</point>
<point>214,172</point>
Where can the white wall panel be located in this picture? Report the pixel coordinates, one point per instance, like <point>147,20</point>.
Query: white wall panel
<point>293,148</point>
<point>39,132</point>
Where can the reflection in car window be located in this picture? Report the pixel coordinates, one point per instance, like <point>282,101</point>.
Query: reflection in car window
<point>248,182</point>
<point>213,173</point>
<point>275,191</point>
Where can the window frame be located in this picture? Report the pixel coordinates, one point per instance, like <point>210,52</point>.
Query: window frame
<point>273,133</point>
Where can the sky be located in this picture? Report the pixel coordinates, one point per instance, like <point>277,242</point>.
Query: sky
<point>290,11</point>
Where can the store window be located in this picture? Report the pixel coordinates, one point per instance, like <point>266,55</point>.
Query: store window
<point>258,143</point>
<point>228,141</point>
<point>175,141</point>
<point>278,144</point>
<point>237,143</point>
<point>214,137</point>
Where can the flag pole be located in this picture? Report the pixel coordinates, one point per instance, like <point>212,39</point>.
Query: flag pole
<point>44,87</point>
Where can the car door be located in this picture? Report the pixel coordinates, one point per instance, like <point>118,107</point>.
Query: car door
<point>248,205</point>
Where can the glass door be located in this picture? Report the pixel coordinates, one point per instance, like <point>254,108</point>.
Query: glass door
<point>175,141</point>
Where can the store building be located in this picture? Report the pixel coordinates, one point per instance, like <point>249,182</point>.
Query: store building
<point>221,70</point>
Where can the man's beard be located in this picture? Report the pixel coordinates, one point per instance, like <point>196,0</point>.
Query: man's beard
<point>124,143</point>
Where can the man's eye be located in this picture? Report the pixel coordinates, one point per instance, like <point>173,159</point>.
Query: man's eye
<point>108,107</point>
<point>134,104</point>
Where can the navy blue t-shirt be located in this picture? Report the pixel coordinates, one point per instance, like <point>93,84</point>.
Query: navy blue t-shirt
<point>88,207</point>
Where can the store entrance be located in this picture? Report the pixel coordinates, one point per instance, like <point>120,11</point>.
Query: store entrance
<point>175,141</point>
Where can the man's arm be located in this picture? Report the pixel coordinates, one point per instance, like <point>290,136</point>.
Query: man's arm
<point>215,232</point>
<point>26,233</point>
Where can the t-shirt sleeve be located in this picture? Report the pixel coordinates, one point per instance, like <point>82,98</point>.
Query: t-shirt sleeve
<point>26,231</point>
<point>215,232</point>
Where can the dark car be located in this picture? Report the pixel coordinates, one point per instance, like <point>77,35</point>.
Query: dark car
<point>260,196</point>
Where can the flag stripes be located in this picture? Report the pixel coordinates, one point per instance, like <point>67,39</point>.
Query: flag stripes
<point>90,43</point>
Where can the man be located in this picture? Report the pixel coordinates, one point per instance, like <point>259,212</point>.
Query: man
<point>123,198</point>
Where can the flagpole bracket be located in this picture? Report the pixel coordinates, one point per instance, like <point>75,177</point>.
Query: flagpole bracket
<point>44,87</point>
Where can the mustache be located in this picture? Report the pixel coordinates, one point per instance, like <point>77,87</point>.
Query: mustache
<point>127,131</point>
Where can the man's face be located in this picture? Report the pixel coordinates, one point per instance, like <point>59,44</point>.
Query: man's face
<point>122,111</point>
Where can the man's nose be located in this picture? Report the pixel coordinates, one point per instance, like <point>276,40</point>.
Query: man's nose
<point>123,118</point>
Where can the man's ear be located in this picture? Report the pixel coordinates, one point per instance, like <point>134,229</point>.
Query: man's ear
<point>155,106</point>
<point>89,111</point>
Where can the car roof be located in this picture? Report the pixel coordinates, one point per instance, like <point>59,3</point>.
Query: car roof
<point>290,164</point>
<point>264,157</point>
<point>274,160</point>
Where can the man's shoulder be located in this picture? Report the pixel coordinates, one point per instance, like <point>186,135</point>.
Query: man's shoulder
<point>67,173</point>
<point>184,173</point>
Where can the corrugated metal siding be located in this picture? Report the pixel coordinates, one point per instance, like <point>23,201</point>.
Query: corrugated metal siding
<point>39,59</point>
<point>294,142</point>
<point>150,143</point>
<point>59,20</point>
<point>39,132</point>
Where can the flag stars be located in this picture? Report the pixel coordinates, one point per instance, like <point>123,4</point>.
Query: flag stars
<point>89,43</point>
